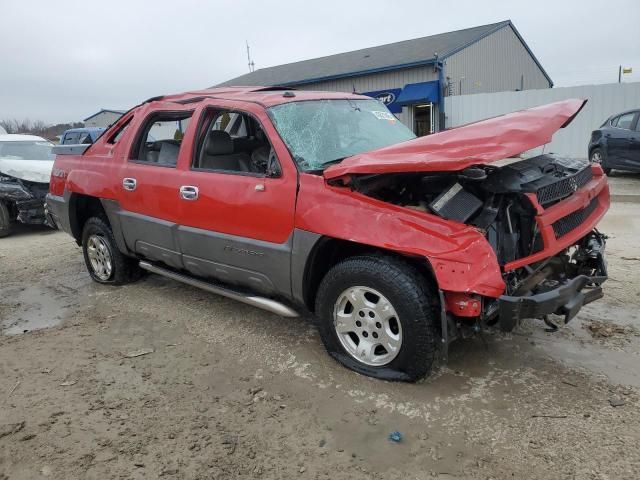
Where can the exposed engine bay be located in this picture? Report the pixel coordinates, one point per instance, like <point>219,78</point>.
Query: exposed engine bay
<point>500,200</point>
<point>491,198</point>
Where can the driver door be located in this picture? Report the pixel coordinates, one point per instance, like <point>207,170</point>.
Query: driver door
<point>238,225</point>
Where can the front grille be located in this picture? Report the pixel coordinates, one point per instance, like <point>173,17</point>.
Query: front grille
<point>574,219</point>
<point>564,187</point>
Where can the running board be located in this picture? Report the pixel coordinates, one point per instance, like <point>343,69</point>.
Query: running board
<point>260,302</point>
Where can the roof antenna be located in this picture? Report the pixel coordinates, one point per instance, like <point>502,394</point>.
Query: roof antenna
<point>252,66</point>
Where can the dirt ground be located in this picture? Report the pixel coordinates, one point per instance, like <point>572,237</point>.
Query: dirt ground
<point>158,379</point>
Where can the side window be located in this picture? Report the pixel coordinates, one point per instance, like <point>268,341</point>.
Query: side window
<point>624,121</point>
<point>234,142</point>
<point>71,138</point>
<point>160,138</point>
<point>85,138</point>
<point>115,136</point>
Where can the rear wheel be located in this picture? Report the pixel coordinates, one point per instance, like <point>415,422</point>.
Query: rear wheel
<point>5,220</point>
<point>597,156</point>
<point>105,263</point>
<point>377,317</point>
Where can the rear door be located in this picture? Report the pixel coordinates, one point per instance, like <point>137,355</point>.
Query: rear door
<point>149,184</point>
<point>238,201</point>
<point>618,140</point>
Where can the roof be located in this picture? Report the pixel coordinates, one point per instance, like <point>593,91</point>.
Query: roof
<point>265,96</point>
<point>15,137</point>
<point>104,110</point>
<point>393,56</point>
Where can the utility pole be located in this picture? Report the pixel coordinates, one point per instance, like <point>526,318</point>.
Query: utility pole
<point>252,66</point>
<point>620,74</point>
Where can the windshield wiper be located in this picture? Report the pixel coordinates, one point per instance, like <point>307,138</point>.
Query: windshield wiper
<point>333,162</point>
<point>325,165</point>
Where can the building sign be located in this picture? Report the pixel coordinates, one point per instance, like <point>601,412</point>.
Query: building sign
<point>388,97</point>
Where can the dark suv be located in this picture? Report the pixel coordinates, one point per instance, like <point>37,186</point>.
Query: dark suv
<point>616,144</point>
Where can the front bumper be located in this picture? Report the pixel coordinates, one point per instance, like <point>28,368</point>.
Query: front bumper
<point>27,198</point>
<point>567,299</point>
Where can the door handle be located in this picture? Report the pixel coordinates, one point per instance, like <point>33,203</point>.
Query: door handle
<point>129,184</point>
<point>189,192</point>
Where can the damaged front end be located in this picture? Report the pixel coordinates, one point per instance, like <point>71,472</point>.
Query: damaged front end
<point>538,215</point>
<point>560,285</point>
<point>24,199</point>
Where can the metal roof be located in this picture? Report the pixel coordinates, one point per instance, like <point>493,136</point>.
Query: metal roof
<point>102,110</point>
<point>408,53</point>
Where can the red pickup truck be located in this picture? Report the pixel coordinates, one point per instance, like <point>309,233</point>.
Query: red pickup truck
<point>299,201</point>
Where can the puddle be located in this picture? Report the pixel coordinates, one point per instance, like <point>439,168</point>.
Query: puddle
<point>616,358</point>
<point>31,308</point>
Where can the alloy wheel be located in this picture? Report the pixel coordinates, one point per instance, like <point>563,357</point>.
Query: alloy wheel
<point>596,157</point>
<point>99,257</point>
<point>367,326</point>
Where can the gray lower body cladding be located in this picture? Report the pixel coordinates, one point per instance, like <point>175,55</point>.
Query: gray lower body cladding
<point>272,269</point>
<point>25,200</point>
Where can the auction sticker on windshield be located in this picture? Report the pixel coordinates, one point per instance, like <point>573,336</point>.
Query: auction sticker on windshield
<point>384,115</point>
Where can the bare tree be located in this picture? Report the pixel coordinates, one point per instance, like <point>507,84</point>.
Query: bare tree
<point>37,127</point>
<point>21,126</point>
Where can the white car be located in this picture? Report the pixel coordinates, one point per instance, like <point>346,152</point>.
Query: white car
<point>25,170</point>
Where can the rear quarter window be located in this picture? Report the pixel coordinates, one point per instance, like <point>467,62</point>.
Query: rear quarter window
<point>623,121</point>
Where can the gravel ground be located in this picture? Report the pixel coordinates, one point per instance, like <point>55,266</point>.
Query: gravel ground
<point>158,379</point>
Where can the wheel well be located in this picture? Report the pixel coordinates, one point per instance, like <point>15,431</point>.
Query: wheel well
<point>81,209</point>
<point>330,251</point>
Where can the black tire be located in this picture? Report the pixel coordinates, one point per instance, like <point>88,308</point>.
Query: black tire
<point>597,156</point>
<point>411,296</point>
<point>123,269</point>
<point>5,220</point>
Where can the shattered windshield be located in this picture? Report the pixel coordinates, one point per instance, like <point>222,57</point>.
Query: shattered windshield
<point>28,150</point>
<point>321,132</point>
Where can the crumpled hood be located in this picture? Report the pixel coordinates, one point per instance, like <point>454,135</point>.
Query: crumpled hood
<point>30,170</point>
<point>480,143</point>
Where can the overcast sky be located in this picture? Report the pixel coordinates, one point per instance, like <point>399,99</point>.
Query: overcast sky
<point>63,60</point>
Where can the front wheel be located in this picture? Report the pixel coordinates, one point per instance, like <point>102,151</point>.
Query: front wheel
<point>105,263</point>
<point>378,316</point>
